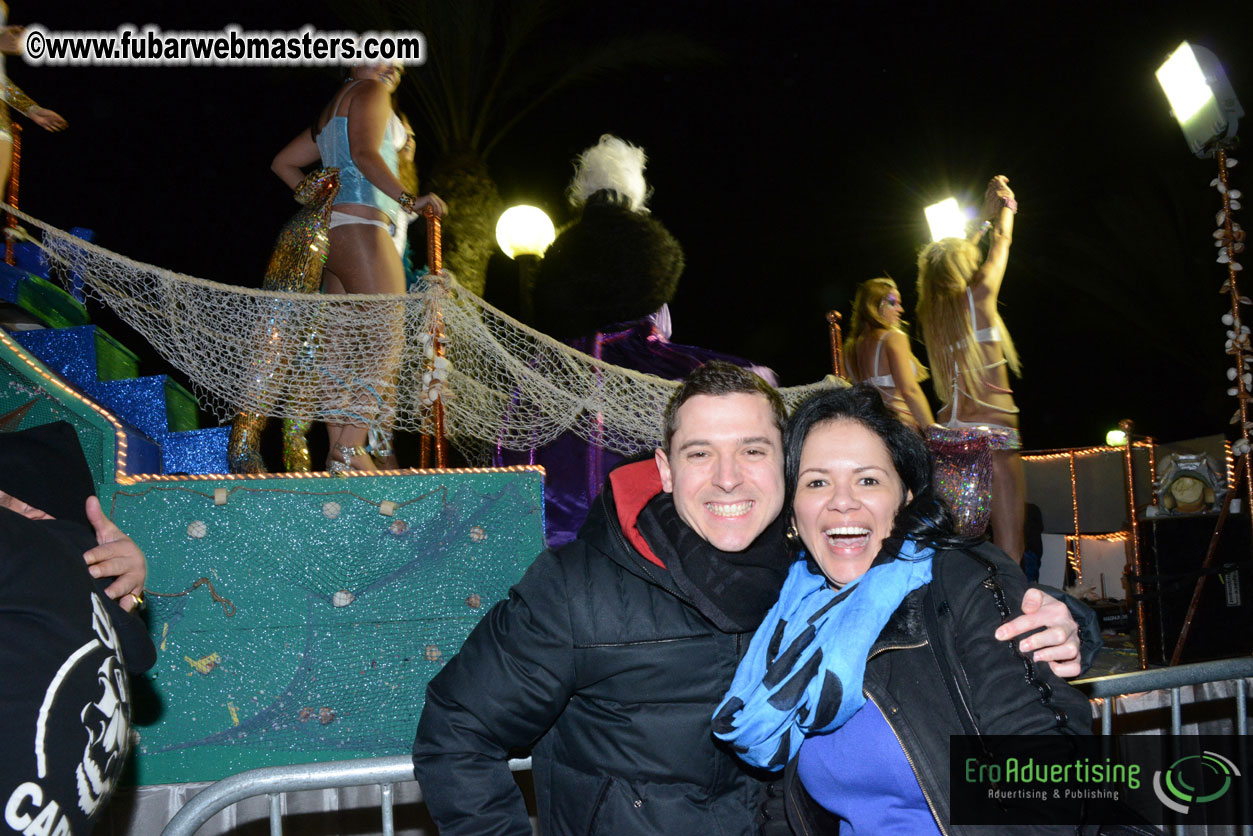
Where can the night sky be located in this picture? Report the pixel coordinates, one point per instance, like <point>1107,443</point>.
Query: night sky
<point>790,170</point>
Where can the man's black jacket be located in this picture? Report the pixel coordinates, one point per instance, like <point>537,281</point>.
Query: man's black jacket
<point>599,657</point>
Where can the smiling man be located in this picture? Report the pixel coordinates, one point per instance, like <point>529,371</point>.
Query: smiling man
<point>726,480</point>
<point>611,654</point>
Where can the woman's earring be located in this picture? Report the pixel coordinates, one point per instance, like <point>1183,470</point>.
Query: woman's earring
<point>793,536</point>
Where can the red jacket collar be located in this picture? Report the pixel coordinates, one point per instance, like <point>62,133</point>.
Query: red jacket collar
<point>634,486</point>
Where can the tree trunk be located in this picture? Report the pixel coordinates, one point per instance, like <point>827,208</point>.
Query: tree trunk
<point>461,178</point>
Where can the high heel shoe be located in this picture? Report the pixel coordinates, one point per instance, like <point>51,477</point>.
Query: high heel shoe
<point>379,446</point>
<point>340,460</point>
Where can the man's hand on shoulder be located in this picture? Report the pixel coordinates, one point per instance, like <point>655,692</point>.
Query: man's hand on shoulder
<point>116,556</point>
<point>1054,635</point>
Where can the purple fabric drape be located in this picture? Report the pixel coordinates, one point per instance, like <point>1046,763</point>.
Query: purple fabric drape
<point>576,469</point>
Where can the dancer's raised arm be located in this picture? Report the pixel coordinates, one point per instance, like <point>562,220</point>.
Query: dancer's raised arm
<point>999,208</point>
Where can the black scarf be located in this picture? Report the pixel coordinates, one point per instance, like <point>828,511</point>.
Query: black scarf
<point>734,590</point>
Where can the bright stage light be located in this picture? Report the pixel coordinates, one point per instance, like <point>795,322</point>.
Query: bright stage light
<point>1184,83</point>
<point>1115,438</point>
<point>946,220</point>
<point>1201,97</point>
<point>524,230</point>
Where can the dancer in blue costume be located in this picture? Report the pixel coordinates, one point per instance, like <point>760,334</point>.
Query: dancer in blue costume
<point>358,133</point>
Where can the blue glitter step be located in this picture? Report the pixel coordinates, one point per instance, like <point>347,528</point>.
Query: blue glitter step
<point>87,356</point>
<point>104,370</point>
<point>139,401</point>
<point>70,352</point>
<point>22,376</point>
<point>143,455</point>
<point>196,451</point>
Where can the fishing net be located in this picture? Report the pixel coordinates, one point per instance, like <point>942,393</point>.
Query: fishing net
<point>373,359</point>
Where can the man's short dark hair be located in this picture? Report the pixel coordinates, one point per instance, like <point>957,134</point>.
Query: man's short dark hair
<point>718,378</point>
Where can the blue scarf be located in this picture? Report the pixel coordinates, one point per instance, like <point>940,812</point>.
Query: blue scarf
<point>803,671</point>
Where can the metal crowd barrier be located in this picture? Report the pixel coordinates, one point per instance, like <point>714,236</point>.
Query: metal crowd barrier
<point>1106,687</point>
<point>388,771</point>
<point>275,780</point>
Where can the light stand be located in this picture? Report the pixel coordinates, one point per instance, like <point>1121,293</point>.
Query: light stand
<point>1208,112</point>
<point>1135,589</point>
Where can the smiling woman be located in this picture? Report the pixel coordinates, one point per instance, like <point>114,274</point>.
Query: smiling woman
<point>849,680</point>
<point>847,496</point>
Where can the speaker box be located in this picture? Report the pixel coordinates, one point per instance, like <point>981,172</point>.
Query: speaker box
<point>1174,549</point>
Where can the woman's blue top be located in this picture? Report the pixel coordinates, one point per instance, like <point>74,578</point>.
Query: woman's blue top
<point>859,773</point>
<point>333,145</point>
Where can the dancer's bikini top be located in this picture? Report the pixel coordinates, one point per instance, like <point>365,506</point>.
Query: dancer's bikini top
<point>333,144</point>
<point>990,334</point>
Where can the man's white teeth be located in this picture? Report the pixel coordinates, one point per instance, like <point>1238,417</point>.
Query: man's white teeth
<point>735,509</point>
<point>847,531</point>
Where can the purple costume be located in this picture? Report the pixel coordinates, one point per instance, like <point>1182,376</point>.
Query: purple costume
<point>575,469</point>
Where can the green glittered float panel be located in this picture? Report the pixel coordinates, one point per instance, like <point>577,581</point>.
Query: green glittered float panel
<point>296,623</point>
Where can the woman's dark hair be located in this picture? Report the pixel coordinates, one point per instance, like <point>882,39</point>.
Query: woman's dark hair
<point>926,517</point>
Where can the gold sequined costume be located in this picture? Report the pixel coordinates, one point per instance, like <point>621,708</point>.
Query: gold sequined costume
<point>295,267</point>
<point>11,94</point>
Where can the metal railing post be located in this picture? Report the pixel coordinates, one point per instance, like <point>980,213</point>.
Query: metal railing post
<point>273,781</point>
<point>389,824</point>
<point>276,814</point>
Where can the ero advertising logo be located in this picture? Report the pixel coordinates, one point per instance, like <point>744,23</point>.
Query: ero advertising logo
<point>1123,779</point>
<point>1194,779</point>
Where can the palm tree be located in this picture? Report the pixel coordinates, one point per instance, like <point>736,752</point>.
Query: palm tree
<point>485,71</point>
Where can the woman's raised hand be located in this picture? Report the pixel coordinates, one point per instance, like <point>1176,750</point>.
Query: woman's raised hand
<point>996,195</point>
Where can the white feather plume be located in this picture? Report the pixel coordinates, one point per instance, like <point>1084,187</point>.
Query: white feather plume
<point>612,164</point>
